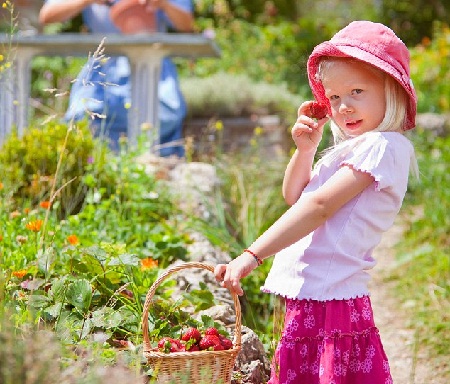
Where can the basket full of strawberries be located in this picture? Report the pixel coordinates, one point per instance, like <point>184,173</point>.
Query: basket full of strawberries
<point>198,355</point>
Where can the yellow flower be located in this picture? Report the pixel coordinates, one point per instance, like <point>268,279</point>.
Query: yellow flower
<point>148,263</point>
<point>258,131</point>
<point>34,226</point>
<point>20,273</point>
<point>1,57</point>
<point>73,239</point>
<point>127,105</point>
<point>219,125</point>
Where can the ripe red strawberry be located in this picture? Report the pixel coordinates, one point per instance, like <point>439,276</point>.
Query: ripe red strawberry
<point>193,348</point>
<point>318,110</point>
<point>167,344</point>
<point>191,333</point>
<point>212,331</point>
<point>219,347</point>
<point>226,343</point>
<point>209,341</point>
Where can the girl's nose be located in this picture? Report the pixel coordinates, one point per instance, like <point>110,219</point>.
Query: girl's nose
<point>345,108</point>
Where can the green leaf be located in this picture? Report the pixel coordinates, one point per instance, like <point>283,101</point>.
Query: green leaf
<point>125,259</point>
<point>38,301</point>
<point>106,317</point>
<point>54,310</point>
<point>79,294</point>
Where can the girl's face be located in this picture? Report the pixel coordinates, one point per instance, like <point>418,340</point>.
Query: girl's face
<point>356,94</point>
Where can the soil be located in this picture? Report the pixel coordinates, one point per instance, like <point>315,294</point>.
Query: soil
<point>409,363</point>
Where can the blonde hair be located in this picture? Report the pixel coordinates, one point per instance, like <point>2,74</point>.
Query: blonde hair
<point>396,107</point>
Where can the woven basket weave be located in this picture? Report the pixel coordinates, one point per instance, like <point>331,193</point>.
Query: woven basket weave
<point>202,367</point>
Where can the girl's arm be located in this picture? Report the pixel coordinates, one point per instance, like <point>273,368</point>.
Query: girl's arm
<point>310,212</point>
<point>306,134</point>
<point>61,11</point>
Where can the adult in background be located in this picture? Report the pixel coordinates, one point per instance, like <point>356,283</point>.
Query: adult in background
<point>113,100</point>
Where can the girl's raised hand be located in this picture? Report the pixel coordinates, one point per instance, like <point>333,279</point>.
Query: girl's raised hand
<point>229,275</point>
<point>307,131</point>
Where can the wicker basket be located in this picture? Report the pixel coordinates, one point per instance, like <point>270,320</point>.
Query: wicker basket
<point>211,367</point>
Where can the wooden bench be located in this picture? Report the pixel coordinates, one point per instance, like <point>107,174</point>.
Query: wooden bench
<point>144,52</point>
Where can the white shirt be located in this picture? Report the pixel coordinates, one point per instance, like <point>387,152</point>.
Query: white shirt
<point>331,262</point>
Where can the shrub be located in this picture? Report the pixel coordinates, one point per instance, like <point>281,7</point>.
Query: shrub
<point>28,164</point>
<point>430,71</point>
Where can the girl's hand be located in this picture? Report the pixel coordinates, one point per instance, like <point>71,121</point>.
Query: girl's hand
<point>229,275</point>
<point>307,132</point>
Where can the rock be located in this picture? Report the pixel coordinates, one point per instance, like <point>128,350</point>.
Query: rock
<point>252,363</point>
<point>439,124</point>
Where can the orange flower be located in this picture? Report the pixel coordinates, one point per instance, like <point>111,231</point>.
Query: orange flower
<point>26,211</point>
<point>1,186</point>
<point>73,239</point>
<point>20,273</point>
<point>34,225</point>
<point>148,263</point>
<point>1,238</point>
<point>45,204</point>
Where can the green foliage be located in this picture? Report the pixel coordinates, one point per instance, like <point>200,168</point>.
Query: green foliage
<point>28,164</point>
<point>430,71</point>
<point>222,94</point>
<point>278,52</point>
<point>424,254</point>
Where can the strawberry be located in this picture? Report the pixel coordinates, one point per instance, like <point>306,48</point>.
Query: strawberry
<point>192,348</point>
<point>226,343</point>
<point>191,333</point>
<point>209,341</point>
<point>212,331</point>
<point>318,110</point>
<point>219,347</point>
<point>167,344</point>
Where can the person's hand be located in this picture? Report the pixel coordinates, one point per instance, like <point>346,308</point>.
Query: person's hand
<point>307,132</point>
<point>156,4</point>
<point>229,275</point>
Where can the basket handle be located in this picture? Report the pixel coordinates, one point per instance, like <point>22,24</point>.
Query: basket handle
<point>165,275</point>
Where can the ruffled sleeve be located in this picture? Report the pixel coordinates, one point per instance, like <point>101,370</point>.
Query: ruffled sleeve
<point>386,156</point>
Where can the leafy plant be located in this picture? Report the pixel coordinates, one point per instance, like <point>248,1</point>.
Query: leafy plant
<point>28,164</point>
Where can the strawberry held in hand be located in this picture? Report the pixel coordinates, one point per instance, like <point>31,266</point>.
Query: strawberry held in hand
<point>318,110</point>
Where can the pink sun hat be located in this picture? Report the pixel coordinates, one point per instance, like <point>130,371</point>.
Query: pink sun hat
<point>375,44</point>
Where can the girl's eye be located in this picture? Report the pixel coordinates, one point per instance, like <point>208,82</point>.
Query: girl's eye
<point>333,97</point>
<point>357,91</point>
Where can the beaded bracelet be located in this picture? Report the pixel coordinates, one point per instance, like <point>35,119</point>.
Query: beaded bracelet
<point>255,256</point>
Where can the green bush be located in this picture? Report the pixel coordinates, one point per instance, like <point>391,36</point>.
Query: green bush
<point>225,95</point>
<point>28,164</point>
<point>430,71</point>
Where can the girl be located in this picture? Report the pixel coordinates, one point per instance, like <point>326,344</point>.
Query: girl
<point>340,209</point>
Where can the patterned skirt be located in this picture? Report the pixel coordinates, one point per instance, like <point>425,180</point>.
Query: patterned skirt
<point>330,342</point>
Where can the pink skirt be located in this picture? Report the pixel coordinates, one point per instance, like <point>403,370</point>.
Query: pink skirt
<point>330,342</point>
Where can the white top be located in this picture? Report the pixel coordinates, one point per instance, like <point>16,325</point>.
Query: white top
<point>331,262</point>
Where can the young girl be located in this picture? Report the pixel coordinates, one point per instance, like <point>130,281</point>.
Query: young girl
<point>340,208</point>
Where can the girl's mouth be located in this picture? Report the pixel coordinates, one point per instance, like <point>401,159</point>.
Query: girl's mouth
<point>353,124</point>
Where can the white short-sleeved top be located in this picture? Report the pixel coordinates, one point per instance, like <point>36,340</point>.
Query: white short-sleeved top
<point>332,261</point>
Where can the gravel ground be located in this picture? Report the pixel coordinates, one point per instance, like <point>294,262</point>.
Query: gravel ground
<point>409,365</point>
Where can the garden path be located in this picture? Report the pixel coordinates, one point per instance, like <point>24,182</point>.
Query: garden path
<point>408,365</point>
